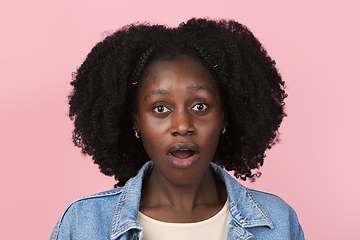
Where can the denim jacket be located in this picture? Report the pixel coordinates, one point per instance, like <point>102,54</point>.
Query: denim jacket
<point>114,214</point>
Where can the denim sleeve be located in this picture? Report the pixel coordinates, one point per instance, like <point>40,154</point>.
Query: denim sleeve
<point>87,218</point>
<point>63,226</point>
<point>296,232</point>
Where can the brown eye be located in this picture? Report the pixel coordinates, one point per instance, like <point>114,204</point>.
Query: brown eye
<point>200,107</point>
<point>161,109</point>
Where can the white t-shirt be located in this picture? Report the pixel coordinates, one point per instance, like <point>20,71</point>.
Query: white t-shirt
<point>213,228</point>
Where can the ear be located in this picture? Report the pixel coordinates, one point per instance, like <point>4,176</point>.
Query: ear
<point>135,119</point>
<point>225,112</point>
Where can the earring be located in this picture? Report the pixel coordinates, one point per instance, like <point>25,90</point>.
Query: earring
<point>224,129</point>
<point>137,135</point>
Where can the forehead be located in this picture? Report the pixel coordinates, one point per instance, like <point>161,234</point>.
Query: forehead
<point>181,70</point>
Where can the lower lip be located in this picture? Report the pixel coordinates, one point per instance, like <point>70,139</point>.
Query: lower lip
<point>183,162</point>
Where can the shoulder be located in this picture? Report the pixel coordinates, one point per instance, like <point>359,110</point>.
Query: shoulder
<point>271,203</point>
<point>265,198</point>
<point>97,200</point>
<point>103,200</point>
<point>281,213</point>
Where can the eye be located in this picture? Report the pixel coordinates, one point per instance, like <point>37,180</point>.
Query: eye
<point>161,109</point>
<point>200,107</point>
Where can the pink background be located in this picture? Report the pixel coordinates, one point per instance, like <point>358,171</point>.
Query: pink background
<point>315,43</point>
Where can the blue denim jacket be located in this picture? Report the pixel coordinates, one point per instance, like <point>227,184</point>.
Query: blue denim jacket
<point>114,214</point>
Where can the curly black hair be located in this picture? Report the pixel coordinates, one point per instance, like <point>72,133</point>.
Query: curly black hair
<point>105,90</point>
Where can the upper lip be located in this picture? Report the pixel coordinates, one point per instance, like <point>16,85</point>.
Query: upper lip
<point>183,146</point>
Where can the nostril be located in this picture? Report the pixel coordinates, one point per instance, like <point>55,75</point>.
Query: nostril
<point>183,133</point>
<point>191,132</point>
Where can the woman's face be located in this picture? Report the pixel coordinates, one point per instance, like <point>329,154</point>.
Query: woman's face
<point>180,118</point>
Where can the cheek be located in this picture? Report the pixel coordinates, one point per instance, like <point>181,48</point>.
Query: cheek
<point>213,123</point>
<point>212,138</point>
<point>151,126</point>
<point>209,132</point>
<point>153,131</point>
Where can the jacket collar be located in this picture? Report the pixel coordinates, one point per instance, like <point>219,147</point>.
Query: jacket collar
<point>244,209</point>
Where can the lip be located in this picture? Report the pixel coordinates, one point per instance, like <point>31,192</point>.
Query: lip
<point>183,162</point>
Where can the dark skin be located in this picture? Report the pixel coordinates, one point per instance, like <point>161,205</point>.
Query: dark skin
<point>180,118</point>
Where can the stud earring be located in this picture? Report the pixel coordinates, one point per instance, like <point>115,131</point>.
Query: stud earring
<point>224,129</point>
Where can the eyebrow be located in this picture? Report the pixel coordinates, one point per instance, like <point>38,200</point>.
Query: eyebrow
<point>158,91</point>
<point>199,88</point>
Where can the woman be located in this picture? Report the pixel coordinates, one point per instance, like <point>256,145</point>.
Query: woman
<point>193,100</point>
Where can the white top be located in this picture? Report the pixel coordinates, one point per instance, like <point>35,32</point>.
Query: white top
<point>213,228</point>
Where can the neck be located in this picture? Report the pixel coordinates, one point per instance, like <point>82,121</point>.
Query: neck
<point>158,192</point>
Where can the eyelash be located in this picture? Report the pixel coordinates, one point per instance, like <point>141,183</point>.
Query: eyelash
<point>156,109</point>
<point>166,109</point>
<point>200,104</point>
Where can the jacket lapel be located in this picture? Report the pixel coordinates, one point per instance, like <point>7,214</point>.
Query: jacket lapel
<point>244,210</point>
<point>126,214</point>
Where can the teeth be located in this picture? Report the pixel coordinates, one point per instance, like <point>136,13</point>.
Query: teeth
<point>182,153</point>
<point>183,150</point>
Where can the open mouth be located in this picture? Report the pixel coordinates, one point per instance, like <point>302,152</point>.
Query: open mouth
<point>183,153</point>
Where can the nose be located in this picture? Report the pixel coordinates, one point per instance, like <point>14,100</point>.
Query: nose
<point>182,124</point>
